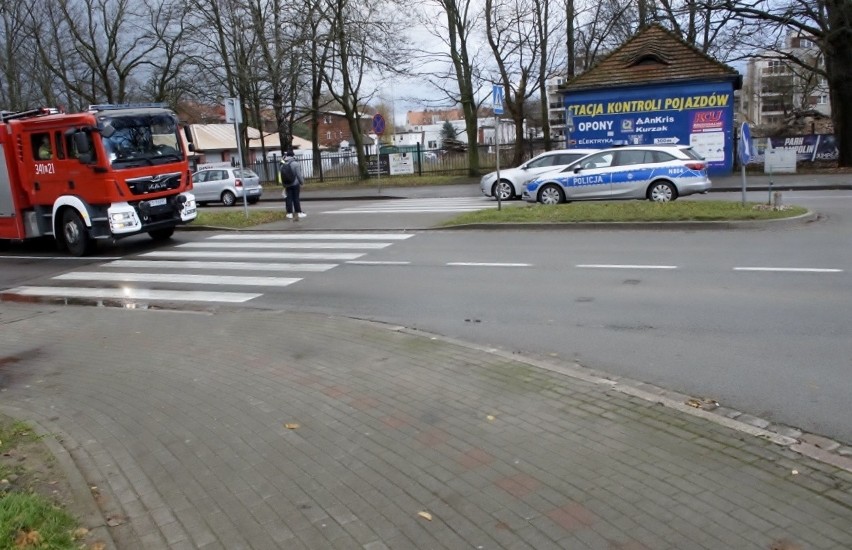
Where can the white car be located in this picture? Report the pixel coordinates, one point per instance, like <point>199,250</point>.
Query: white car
<point>659,173</point>
<point>513,180</point>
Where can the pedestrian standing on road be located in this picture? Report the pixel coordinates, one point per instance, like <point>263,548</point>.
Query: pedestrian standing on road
<point>292,180</point>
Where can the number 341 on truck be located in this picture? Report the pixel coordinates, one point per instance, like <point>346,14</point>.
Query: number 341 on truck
<point>108,173</point>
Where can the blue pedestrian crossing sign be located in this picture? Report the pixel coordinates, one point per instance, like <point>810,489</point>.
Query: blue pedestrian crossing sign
<point>745,144</point>
<point>497,99</point>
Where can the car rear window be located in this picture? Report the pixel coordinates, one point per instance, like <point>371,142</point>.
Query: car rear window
<point>662,156</point>
<point>244,174</point>
<point>691,153</point>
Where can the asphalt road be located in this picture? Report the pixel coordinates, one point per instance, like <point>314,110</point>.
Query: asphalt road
<point>715,314</point>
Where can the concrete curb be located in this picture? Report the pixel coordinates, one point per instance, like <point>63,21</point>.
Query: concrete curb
<point>807,217</point>
<point>813,446</point>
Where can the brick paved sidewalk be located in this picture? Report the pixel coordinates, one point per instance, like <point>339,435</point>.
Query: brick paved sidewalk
<point>257,429</point>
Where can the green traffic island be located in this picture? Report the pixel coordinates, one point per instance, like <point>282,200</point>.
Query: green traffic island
<point>629,211</point>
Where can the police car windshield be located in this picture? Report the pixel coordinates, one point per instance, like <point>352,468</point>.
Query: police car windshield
<point>141,139</point>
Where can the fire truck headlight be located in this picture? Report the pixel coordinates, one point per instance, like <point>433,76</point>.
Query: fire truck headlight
<point>120,220</point>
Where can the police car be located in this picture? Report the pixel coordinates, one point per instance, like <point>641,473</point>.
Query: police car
<point>655,172</point>
<point>513,180</point>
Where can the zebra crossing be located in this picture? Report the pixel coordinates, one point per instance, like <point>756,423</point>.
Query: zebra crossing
<point>239,262</point>
<point>425,206</point>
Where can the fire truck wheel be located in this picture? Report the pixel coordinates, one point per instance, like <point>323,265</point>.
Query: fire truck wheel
<point>162,234</point>
<point>76,235</point>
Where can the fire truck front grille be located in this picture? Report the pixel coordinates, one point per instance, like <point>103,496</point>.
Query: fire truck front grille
<point>154,184</point>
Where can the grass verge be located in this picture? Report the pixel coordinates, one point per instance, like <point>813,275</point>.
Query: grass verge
<point>237,219</point>
<point>627,211</point>
<point>614,211</point>
<point>34,496</point>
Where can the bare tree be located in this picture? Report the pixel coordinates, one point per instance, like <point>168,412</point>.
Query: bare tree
<point>518,40</point>
<point>699,24</point>
<point>460,78</point>
<point>19,88</point>
<point>365,43</point>
<point>828,23</point>
<point>600,28</point>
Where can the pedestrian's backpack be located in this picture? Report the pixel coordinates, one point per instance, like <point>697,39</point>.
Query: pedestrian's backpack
<point>288,174</point>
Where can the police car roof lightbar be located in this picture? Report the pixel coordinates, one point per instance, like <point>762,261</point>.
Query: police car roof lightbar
<point>112,107</point>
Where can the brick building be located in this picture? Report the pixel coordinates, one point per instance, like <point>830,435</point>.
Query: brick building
<point>333,128</point>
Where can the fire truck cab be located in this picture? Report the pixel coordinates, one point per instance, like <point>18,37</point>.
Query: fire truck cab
<point>110,172</point>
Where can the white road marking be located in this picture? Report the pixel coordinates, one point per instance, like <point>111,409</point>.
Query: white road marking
<point>366,262</point>
<point>486,264</point>
<point>789,269</point>
<point>134,294</point>
<point>85,259</point>
<point>312,237</point>
<point>625,266</point>
<point>302,246</point>
<point>245,266</point>
<point>219,254</point>
<point>177,278</point>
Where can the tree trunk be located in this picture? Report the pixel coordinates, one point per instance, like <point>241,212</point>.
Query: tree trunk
<point>838,66</point>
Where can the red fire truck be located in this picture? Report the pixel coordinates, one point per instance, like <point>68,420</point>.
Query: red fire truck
<point>110,172</point>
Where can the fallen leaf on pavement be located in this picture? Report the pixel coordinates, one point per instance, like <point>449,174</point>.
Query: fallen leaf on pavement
<point>425,515</point>
<point>291,426</point>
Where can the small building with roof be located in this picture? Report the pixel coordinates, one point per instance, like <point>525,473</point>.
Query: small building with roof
<point>655,89</point>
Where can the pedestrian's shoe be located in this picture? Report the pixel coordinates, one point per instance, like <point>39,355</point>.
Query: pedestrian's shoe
<point>289,216</point>
<point>302,215</point>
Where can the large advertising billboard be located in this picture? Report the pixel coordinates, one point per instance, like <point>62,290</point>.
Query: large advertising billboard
<point>808,148</point>
<point>698,114</point>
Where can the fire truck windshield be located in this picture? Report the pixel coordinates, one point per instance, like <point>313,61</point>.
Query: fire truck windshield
<point>141,139</point>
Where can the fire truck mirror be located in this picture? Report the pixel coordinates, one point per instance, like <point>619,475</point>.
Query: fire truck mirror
<point>187,132</point>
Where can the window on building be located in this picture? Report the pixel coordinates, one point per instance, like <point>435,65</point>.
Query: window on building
<point>328,135</point>
<point>326,119</point>
<point>822,99</point>
<point>432,144</point>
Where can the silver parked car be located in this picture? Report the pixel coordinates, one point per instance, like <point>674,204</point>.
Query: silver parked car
<point>658,173</point>
<point>226,185</point>
<point>513,180</point>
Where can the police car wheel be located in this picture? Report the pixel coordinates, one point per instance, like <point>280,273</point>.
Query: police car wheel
<point>551,194</point>
<point>662,192</point>
<point>505,188</point>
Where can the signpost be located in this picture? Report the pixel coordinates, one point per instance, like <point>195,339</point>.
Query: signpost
<point>497,107</point>
<point>379,129</point>
<point>745,153</point>
<point>234,113</point>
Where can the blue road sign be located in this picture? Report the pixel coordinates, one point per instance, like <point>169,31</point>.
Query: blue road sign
<point>497,99</point>
<point>745,144</point>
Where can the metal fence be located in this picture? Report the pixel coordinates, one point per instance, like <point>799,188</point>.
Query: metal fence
<point>343,167</point>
